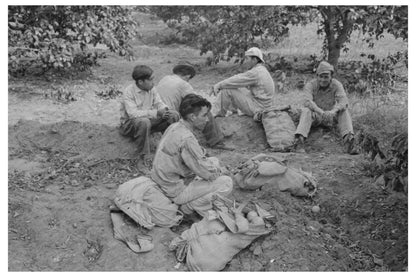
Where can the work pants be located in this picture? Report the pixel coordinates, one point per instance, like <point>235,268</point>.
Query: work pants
<point>309,119</point>
<point>139,129</point>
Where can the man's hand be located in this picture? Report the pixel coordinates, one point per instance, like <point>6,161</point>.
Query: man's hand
<point>161,112</point>
<point>329,116</point>
<point>308,104</point>
<point>167,114</point>
<point>215,90</point>
<point>313,107</point>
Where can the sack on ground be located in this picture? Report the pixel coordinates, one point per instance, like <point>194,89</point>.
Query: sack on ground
<point>142,200</point>
<point>280,129</point>
<point>210,244</point>
<point>265,170</point>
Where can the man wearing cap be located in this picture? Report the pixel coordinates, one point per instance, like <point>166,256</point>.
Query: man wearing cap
<point>173,89</point>
<point>143,112</point>
<point>328,104</point>
<point>251,91</point>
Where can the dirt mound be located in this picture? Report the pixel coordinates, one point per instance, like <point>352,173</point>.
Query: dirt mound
<point>84,141</point>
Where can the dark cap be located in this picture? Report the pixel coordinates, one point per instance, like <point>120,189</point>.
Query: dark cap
<point>184,68</point>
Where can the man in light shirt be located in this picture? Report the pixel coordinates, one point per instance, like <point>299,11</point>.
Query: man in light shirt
<point>251,92</point>
<point>143,112</point>
<point>181,168</point>
<point>175,87</point>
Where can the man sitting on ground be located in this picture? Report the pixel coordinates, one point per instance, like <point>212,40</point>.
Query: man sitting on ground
<point>251,92</point>
<point>328,104</point>
<point>181,168</point>
<point>172,90</point>
<point>143,112</point>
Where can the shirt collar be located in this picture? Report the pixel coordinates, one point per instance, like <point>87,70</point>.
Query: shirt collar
<point>187,124</point>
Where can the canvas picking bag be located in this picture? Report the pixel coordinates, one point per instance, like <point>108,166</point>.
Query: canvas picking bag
<point>280,129</point>
<point>265,170</point>
<point>212,242</point>
<point>142,200</point>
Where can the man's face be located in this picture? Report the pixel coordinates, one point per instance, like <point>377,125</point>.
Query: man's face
<point>250,61</point>
<point>199,121</point>
<point>324,79</point>
<point>146,84</point>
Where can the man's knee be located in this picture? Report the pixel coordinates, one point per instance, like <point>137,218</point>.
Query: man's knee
<point>305,111</point>
<point>141,122</point>
<point>224,185</point>
<point>141,126</point>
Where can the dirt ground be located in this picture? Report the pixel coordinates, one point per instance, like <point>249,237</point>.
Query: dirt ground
<point>66,161</point>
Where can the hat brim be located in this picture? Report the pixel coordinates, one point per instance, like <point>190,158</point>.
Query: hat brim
<point>251,55</point>
<point>324,71</point>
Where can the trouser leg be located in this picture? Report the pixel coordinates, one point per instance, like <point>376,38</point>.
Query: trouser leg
<point>231,99</point>
<point>139,130</point>
<point>345,123</point>
<point>200,194</point>
<point>212,131</point>
<point>305,122</point>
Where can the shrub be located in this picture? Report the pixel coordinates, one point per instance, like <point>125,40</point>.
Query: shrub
<point>59,36</point>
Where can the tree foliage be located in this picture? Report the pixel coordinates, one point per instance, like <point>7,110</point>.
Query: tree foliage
<point>338,22</point>
<point>59,36</point>
<point>228,31</point>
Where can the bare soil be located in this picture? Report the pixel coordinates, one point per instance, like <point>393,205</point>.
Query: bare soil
<point>66,161</point>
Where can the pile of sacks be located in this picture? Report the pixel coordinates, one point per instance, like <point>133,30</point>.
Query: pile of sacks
<point>211,243</point>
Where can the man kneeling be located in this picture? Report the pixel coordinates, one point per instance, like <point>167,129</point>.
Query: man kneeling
<point>180,167</point>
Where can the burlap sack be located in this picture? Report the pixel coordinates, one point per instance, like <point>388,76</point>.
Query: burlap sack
<point>264,170</point>
<point>211,243</point>
<point>280,129</point>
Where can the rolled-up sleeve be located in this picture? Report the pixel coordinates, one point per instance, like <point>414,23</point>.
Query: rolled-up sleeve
<point>245,79</point>
<point>194,157</point>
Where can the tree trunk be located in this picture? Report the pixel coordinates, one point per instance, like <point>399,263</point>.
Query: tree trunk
<point>334,52</point>
<point>337,28</point>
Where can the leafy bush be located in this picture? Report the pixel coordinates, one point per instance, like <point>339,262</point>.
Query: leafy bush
<point>393,169</point>
<point>378,76</point>
<point>59,36</point>
<point>110,92</point>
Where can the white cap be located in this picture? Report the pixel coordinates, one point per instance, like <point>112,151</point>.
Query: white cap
<point>254,51</point>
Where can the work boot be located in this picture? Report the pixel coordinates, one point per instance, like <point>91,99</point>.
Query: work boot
<point>299,144</point>
<point>349,144</point>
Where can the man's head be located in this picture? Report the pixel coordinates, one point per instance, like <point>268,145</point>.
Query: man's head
<point>253,56</point>
<point>324,73</point>
<point>143,76</point>
<point>194,109</point>
<point>185,71</point>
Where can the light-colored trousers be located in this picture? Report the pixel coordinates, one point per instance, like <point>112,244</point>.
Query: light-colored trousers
<point>233,99</point>
<point>309,119</point>
<point>198,194</point>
